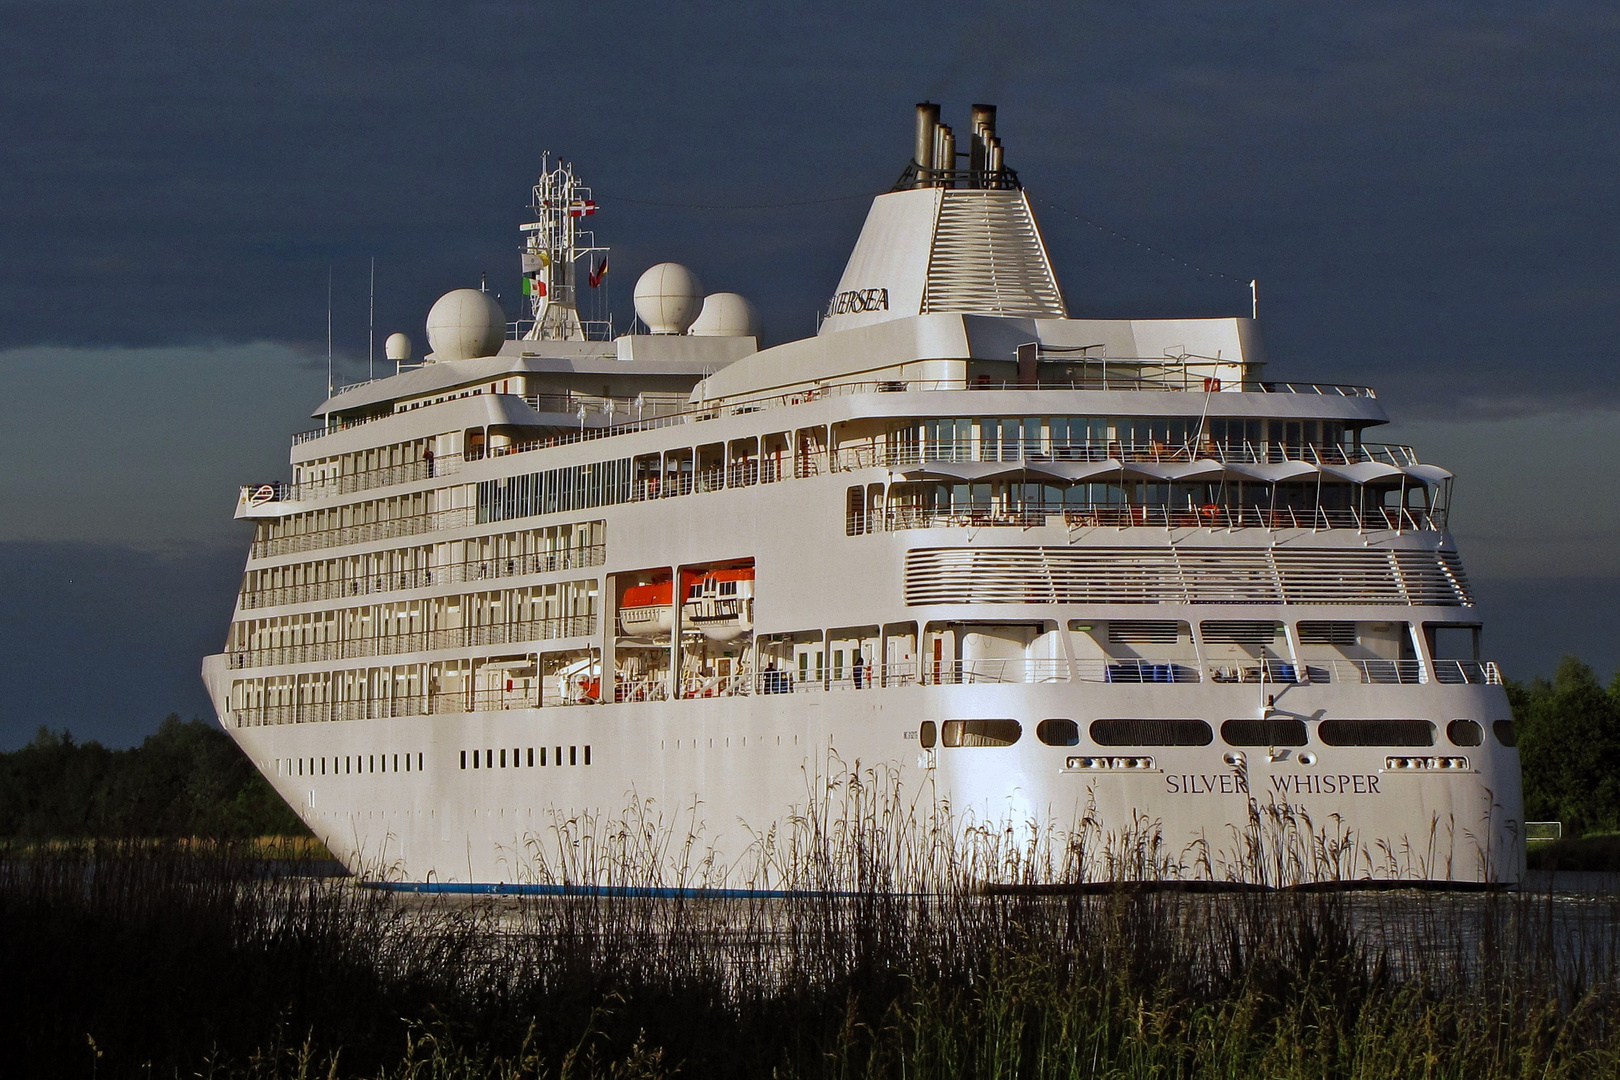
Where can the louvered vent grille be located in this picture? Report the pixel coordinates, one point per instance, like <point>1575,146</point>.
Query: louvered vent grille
<point>1237,632</point>
<point>1045,575</point>
<point>1144,631</point>
<point>988,257</point>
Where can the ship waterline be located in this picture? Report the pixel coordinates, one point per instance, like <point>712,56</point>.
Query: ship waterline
<point>1098,597</point>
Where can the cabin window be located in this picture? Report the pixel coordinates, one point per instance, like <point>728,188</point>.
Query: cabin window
<point>1465,733</point>
<point>1376,732</point>
<point>1273,731</point>
<point>928,734</point>
<point>531,757</point>
<point>1151,733</point>
<point>980,732</point>
<point>1505,733</point>
<point>464,759</point>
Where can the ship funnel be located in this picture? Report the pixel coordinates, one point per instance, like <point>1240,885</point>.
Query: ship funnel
<point>923,155</point>
<point>934,161</point>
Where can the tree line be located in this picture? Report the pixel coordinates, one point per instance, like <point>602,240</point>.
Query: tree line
<point>190,779</point>
<point>185,779</point>
<point>1569,747</point>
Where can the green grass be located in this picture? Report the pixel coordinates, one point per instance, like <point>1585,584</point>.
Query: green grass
<point>172,960</point>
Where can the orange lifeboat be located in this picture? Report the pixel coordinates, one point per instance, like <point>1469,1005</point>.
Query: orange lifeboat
<point>719,603</point>
<point>648,609</point>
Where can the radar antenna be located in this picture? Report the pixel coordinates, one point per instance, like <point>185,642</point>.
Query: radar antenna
<point>553,248</point>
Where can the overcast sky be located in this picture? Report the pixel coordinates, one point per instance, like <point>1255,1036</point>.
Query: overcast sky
<point>1426,193</point>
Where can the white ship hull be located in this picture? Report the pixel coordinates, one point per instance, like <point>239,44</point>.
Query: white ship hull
<point>732,771</point>
<point>959,571</point>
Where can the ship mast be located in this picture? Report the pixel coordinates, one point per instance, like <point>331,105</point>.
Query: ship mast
<point>553,248</point>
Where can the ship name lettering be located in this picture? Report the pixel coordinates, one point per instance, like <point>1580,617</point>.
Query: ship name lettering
<point>1328,784</point>
<point>858,300</point>
<point>1206,784</point>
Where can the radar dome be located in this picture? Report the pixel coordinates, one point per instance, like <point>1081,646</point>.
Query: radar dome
<point>726,314</point>
<point>465,323</point>
<point>668,298</point>
<point>397,347</point>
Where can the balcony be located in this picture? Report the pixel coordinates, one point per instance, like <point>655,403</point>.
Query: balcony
<point>1031,515</point>
<point>877,677</point>
<point>417,641</point>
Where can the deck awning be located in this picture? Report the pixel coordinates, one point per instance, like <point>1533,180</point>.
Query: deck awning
<point>1273,472</point>
<point>1363,472</point>
<point>962,471</point>
<point>1073,471</point>
<point>1175,470</point>
<point>1432,475</point>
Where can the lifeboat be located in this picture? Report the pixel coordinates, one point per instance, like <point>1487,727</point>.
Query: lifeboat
<point>719,603</point>
<point>647,610</point>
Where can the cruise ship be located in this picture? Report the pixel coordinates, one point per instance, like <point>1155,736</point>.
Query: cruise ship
<point>554,607</point>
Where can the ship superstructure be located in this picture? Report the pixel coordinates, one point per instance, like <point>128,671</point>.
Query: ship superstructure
<point>1086,578</point>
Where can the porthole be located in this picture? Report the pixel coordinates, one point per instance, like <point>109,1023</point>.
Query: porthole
<point>928,734</point>
<point>1151,733</point>
<point>1376,732</point>
<point>1465,733</point>
<point>980,732</point>
<point>1272,731</point>
<point>1058,732</point>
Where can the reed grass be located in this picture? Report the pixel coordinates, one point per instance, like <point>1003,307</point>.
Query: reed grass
<point>890,959</point>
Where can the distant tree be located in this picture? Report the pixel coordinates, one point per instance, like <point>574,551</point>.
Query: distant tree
<point>1569,739</point>
<point>185,779</point>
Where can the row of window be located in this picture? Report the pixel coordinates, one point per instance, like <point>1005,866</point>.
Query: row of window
<point>551,491</point>
<point>348,764</point>
<point>1271,731</point>
<point>525,757</point>
<point>1012,432</point>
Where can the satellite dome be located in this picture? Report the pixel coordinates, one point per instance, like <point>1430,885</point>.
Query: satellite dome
<point>397,347</point>
<point>465,323</point>
<point>668,298</point>
<point>726,314</point>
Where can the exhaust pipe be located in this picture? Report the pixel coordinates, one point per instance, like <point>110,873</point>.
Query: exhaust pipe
<point>984,132</point>
<point>927,124</point>
<point>945,155</point>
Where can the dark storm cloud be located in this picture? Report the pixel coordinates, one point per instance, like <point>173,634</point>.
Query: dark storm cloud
<point>1423,190</point>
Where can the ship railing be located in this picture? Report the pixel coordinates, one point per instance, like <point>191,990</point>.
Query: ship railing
<point>642,688</point>
<point>655,411</point>
<point>1117,516</point>
<point>1301,672</point>
<point>667,486</point>
<point>384,476</point>
<point>1015,670</point>
<point>545,562</point>
<point>1135,670</point>
<point>716,686</point>
<point>874,453</point>
<point>1467,671</point>
<point>416,641</point>
<point>411,525</point>
<point>627,409</point>
<point>743,474</point>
